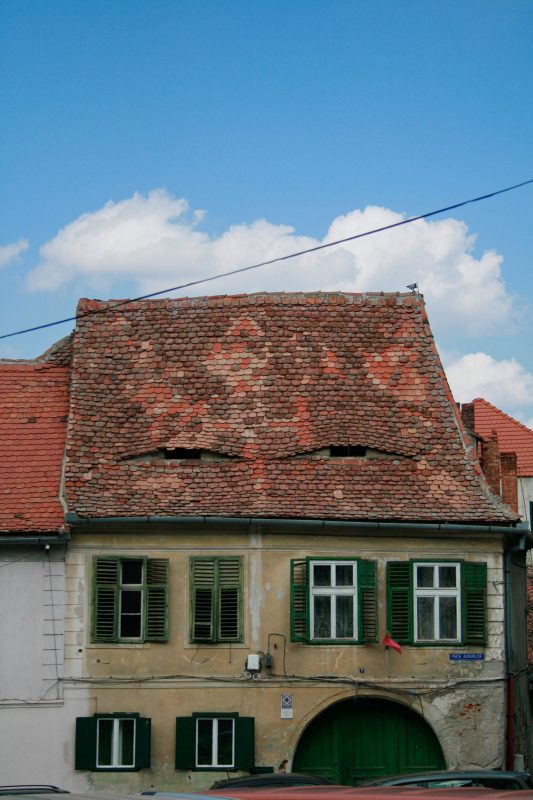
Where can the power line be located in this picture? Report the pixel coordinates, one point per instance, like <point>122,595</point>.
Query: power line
<point>271,260</point>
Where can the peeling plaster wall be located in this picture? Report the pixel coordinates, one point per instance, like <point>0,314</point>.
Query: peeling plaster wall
<point>463,701</point>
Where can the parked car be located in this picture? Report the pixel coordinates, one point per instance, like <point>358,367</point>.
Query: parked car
<point>270,780</point>
<point>447,779</point>
<point>31,788</point>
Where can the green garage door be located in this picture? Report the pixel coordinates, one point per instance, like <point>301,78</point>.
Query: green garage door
<point>359,739</point>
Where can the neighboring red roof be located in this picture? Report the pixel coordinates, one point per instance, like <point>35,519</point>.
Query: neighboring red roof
<point>513,437</point>
<point>266,379</point>
<point>33,423</point>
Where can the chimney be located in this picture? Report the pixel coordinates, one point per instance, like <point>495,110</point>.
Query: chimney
<point>467,415</point>
<point>490,462</point>
<point>509,475</point>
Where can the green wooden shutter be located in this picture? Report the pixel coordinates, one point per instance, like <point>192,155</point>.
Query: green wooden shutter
<point>156,605</point>
<point>229,625</point>
<point>299,600</point>
<point>85,745</point>
<point>367,601</point>
<point>185,743</point>
<point>105,599</point>
<point>400,601</point>
<point>244,743</point>
<point>202,595</point>
<point>474,598</point>
<point>143,736</point>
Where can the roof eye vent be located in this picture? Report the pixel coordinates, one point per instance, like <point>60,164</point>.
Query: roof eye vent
<point>347,451</point>
<point>181,453</point>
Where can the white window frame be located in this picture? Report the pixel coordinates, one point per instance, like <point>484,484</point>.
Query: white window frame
<point>214,742</point>
<point>333,592</point>
<point>115,742</point>
<point>437,593</point>
<point>129,587</point>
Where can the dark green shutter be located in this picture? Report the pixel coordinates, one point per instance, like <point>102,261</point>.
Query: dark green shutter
<point>202,594</point>
<point>156,606</point>
<point>400,601</point>
<point>85,745</point>
<point>367,601</point>
<point>474,603</point>
<point>229,599</point>
<point>185,743</point>
<point>143,730</point>
<point>244,743</point>
<point>105,599</point>
<point>299,600</point>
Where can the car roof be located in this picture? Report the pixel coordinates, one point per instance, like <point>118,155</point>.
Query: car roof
<point>378,793</point>
<point>448,773</point>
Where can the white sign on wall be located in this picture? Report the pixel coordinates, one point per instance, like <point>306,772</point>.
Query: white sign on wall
<point>287,706</point>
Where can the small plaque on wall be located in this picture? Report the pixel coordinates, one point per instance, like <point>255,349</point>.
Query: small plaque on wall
<point>287,706</point>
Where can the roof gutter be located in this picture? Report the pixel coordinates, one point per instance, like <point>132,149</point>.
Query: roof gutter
<point>44,539</point>
<point>317,524</point>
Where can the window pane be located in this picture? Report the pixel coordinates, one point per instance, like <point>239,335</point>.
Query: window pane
<point>424,618</point>
<point>105,740</point>
<point>344,575</point>
<point>448,617</point>
<point>225,742</point>
<point>322,618</point>
<point>447,577</point>
<point>132,571</point>
<point>321,575</point>
<point>204,742</point>
<point>125,742</point>
<point>424,576</point>
<point>344,619</point>
<point>130,601</point>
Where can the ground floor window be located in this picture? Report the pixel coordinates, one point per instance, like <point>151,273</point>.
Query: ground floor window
<point>113,742</point>
<point>211,741</point>
<point>215,742</point>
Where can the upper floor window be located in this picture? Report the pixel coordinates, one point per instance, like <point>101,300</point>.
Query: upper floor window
<point>216,599</point>
<point>130,599</point>
<point>437,602</point>
<point>333,600</point>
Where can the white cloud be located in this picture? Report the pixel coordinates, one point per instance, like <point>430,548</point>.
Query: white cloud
<point>155,241</point>
<point>10,252</point>
<point>505,383</point>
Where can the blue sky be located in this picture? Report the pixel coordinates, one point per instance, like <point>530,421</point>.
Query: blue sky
<point>143,144</point>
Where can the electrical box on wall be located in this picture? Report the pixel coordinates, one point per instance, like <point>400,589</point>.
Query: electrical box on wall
<point>253,662</point>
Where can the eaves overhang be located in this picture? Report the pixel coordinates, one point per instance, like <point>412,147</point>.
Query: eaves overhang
<point>363,526</point>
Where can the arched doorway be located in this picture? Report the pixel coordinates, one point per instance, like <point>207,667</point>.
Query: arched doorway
<point>363,738</point>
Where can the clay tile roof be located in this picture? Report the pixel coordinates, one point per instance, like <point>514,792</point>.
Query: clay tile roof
<point>264,381</point>
<point>33,424</point>
<point>513,437</point>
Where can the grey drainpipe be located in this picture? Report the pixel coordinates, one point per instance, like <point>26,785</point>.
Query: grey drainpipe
<point>45,538</point>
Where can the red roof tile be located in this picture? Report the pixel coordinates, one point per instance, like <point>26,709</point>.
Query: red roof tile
<point>513,437</point>
<point>33,423</point>
<point>265,379</point>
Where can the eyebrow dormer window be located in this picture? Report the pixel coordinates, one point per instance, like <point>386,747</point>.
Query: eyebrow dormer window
<point>347,451</point>
<point>181,453</point>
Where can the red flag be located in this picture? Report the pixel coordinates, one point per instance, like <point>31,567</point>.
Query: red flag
<point>388,642</point>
